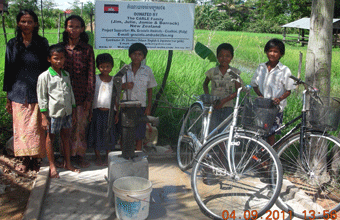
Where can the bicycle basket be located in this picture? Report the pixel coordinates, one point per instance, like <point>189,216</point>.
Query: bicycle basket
<point>324,113</point>
<point>259,114</point>
<point>208,99</point>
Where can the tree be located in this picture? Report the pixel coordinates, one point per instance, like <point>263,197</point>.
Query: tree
<point>319,51</point>
<point>83,10</point>
<point>318,66</point>
<point>14,6</point>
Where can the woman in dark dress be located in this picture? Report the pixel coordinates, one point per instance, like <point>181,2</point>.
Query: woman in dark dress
<point>26,58</point>
<point>80,64</point>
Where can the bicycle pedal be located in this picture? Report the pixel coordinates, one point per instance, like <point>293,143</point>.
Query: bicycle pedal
<point>236,143</point>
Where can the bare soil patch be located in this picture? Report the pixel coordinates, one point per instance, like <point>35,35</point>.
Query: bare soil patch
<point>15,188</point>
<point>324,201</point>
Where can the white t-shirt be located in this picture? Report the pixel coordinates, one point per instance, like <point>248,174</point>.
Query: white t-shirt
<point>102,94</point>
<point>143,80</point>
<point>275,83</point>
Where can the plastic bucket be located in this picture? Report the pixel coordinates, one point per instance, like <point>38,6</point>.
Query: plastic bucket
<point>132,197</point>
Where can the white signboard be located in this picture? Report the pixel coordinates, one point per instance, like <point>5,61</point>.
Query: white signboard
<point>160,26</point>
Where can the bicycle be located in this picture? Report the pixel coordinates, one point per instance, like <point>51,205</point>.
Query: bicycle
<point>311,176</point>
<point>194,130</point>
<point>235,174</point>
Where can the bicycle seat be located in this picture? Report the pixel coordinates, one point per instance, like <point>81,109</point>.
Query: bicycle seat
<point>208,99</point>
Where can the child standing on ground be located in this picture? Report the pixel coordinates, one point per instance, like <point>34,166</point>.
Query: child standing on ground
<point>56,102</point>
<point>222,84</point>
<point>101,108</point>
<point>138,84</point>
<point>271,80</point>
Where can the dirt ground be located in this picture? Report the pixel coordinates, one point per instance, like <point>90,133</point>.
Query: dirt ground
<point>15,188</point>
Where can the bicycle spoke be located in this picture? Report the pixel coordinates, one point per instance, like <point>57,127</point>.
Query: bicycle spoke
<point>216,188</point>
<point>315,185</point>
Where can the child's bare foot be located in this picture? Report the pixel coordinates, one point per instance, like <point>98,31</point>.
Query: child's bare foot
<point>71,168</point>
<point>54,174</point>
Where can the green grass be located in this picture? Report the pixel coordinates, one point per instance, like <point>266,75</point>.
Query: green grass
<point>187,71</point>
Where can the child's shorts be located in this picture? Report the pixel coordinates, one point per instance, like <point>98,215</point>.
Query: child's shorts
<point>277,123</point>
<point>56,124</point>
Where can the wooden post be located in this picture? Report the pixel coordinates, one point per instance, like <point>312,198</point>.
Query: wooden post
<point>161,90</point>
<point>42,18</point>
<point>284,34</point>
<point>299,70</point>
<point>91,14</point>
<point>3,26</point>
<point>59,20</point>
<point>303,37</point>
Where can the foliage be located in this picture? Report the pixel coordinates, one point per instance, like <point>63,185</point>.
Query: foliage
<point>50,14</point>
<point>208,17</point>
<point>14,6</point>
<point>260,16</point>
<point>83,10</point>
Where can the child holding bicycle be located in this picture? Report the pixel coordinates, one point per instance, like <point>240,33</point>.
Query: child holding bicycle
<point>271,80</point>
<point>222,84</point>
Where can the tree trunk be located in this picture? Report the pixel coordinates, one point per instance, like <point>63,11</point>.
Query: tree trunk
<point>318,63</point>
<point>319,51</point>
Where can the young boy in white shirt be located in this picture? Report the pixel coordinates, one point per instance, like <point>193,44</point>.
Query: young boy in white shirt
<point>139,84</point>
<point>271,80</point>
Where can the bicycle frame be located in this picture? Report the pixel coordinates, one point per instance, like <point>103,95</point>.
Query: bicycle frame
<point>302,126</point>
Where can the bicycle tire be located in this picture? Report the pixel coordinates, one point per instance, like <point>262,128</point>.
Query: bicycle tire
<point>186,147</point>
<point>315,187</point>
<point>254,189</point>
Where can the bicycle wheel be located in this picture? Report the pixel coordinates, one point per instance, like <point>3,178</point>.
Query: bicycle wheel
<point>186,148</point>
<point>250,191</point>
<point>310,179</point>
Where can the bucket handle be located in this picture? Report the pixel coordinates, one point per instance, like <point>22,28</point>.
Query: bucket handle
<point>151,202</point>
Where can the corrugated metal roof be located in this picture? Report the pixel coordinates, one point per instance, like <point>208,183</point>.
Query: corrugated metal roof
<point>304,23</point>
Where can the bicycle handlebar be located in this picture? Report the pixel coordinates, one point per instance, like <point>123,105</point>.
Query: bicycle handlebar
<point>308,87</point>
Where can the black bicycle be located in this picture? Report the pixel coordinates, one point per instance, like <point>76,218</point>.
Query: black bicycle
<point>310,158</point>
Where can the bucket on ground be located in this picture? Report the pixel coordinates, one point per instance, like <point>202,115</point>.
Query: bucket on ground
<point>132,197</point>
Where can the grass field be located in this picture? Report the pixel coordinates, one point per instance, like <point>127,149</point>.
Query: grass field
<point>187,71</point>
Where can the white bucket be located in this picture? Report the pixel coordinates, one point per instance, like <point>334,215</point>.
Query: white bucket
<point>132,197</point>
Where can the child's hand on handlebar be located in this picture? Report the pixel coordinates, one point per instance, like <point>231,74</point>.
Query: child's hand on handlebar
<point>276,101</point>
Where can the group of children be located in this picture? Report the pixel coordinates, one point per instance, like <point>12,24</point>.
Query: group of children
<point>271,80</point>
<point>57,103</point>
<point>56,99</point>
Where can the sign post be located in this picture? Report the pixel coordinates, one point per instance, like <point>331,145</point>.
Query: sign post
<point>159,26</point>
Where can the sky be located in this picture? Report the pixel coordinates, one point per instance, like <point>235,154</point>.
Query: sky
<point>63,4</point>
